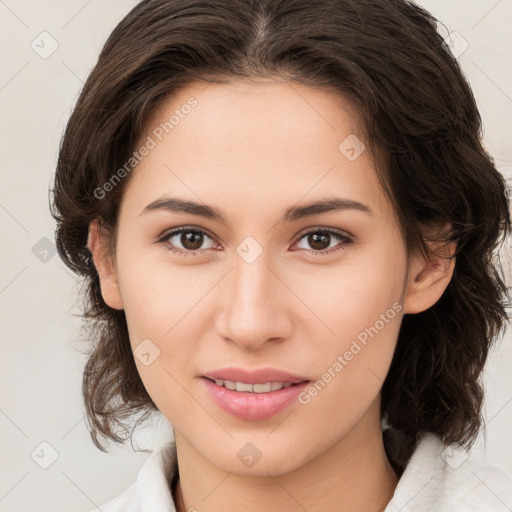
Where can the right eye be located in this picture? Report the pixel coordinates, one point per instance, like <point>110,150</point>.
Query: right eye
<point>190,239</point>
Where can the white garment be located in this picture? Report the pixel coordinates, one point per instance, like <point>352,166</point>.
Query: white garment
<point>428,484</point>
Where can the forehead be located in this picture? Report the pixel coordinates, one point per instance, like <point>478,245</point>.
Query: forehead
<point>279,142</point>
<point>267,107</point>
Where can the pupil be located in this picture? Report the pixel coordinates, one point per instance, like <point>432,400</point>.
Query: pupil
<point>314,241</point>
<point>191,240</point>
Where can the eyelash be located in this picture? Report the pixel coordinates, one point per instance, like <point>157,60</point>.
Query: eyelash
<point>336,234</point>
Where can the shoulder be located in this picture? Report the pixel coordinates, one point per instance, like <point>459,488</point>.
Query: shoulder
<point>446,479</point>
<point>126,501</point>
<point>482,487</point>
<point>151,490</point>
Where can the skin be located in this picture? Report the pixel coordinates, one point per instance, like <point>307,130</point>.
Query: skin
<point>251,150</point>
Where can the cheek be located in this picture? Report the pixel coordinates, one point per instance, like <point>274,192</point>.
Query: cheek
<point>156,294</point>
<point>161,318</point>
<point>360,309</point>
<point>358,346</point>
<point>347,299</point>
<point>163,309</point>
<point>351,365</point>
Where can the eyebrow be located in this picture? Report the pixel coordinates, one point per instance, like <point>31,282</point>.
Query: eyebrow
<point>326,205</point>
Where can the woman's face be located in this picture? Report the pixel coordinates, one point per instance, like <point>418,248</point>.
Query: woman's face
<point>256,287</point>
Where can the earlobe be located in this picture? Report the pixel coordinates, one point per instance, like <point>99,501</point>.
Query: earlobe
<point>103,262</point>
<point>427,280</point>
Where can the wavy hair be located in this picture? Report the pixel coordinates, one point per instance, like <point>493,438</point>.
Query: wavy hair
<point>424,131</point>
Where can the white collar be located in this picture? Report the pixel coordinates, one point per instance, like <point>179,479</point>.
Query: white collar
<point>431,481</point>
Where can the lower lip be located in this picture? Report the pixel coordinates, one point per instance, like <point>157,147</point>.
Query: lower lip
<point>253,406</point>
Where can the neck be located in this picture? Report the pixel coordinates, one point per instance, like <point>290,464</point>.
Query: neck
<point>353,475</point>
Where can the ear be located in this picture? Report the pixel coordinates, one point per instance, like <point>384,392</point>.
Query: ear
<point>103,261</point>
<point>427,280</point>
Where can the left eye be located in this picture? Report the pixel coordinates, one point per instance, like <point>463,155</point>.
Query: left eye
<point>317,238</point>
<point>191,240</point>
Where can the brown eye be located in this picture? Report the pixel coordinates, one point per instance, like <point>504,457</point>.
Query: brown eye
<point>320,240</point>
<point>191,240</point>
<point>187,240</point>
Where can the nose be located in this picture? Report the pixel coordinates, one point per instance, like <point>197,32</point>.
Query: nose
<point>254,304</point>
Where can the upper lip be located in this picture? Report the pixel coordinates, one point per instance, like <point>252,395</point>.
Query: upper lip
<point>260,376</point>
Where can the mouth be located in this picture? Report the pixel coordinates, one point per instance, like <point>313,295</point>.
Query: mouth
<point>253,402</point>
<point>246,387</point>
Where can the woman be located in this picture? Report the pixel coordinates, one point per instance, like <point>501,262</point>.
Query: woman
<point>286,221</point>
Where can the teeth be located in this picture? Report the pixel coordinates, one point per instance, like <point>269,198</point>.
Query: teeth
<point>252,388</point>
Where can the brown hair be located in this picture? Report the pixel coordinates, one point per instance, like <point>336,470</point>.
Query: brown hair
<point>424,131</point>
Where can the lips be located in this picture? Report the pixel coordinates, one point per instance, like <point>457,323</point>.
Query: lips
<point>253,406</point>
<point>260,376</point>
<point>245,394</point>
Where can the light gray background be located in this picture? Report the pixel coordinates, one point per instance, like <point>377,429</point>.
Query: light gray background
<point>40,366</point>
